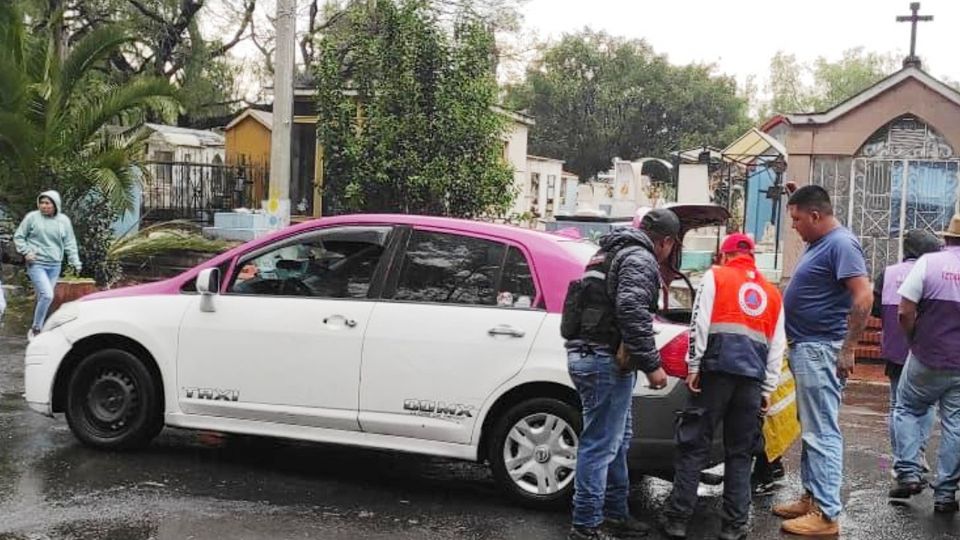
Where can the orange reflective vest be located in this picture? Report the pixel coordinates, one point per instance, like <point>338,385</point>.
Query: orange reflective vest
<point>743,320</point>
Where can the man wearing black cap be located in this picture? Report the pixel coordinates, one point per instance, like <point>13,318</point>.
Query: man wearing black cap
<point>626,269</point>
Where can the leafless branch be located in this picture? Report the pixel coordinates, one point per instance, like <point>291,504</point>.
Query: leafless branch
<point>247,21</point>
<point>264,50</point>
<point>147,12</point>
<point>306,44</point>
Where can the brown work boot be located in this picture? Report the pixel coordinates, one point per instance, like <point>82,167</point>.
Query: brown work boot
<point>814,523</point>
<point>795,509</point>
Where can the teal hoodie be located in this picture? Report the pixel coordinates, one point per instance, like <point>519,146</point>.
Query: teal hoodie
<point>48,238</point>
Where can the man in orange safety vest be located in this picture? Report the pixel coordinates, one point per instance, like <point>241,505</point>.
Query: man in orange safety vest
<point>737,344</point>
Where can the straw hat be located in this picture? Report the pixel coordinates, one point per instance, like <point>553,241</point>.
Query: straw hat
<point>953,231</point>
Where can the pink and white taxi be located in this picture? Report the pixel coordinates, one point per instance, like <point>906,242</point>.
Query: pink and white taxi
<point>415,334</point>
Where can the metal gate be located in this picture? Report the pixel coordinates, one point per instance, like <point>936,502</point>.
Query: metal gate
<point>890,197</point>
<point>195,191</point>
<point>904,177</point>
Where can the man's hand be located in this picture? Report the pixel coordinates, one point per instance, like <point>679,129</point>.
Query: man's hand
<point>693,383</point>
<point>845,363</point>
<point>764,405</point>
<point>657,379</point>
<point>862,293</point>
<point>30,258</point>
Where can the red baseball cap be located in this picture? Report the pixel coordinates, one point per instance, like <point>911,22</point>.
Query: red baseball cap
<point>737,243</point>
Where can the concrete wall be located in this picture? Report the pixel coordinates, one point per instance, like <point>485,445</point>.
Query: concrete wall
<point>571,184</point>
<point>845,135</point>
<point>548,170</point>
<point>515,153</point>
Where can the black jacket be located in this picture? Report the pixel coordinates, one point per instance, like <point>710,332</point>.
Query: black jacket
<point>634,286</point>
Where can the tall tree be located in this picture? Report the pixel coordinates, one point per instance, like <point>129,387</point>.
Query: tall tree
<point>167,41</point>
<point>316,18</point>
<point>406,115</point>
<point>60,125</point>
<point>817,86</point>
<point>596,97</point>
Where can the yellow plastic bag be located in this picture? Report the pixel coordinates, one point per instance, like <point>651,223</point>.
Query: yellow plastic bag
<point>781,428</point>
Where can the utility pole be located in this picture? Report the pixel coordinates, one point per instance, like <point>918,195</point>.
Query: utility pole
<point>278,205</point>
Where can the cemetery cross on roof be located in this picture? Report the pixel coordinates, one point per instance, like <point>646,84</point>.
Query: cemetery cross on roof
<point>913,60</point>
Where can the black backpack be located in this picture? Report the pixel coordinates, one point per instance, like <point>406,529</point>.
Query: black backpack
<point>588,311</point>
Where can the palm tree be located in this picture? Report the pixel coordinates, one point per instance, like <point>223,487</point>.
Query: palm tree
<point>63,122</point>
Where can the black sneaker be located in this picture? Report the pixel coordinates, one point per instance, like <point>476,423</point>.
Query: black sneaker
<point>626,528</point>
<point>585,533</point>
<point>763,488</point>
<point>946,507</point>
<point>673,528</point>
<point>906,489</point>
<point>777,471</point>
<point>733,532</point>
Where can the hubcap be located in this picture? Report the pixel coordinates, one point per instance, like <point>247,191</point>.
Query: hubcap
<point>111,400</point>
<point>540,453</point>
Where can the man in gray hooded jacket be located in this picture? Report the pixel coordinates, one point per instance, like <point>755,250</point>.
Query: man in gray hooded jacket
<point>633,285</point>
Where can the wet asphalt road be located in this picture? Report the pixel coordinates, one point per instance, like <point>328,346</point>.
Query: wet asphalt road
<point>190,485</point>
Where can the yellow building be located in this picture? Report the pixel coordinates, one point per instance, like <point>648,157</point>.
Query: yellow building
<point>248,139</point>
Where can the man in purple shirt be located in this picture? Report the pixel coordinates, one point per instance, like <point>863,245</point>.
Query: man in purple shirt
<point>886,301</point>
<point>930,317</point>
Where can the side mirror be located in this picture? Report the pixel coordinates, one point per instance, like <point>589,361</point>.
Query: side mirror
<point>208,281</point>
<point>208,285</point>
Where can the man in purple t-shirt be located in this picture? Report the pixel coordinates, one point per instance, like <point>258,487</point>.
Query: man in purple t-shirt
<point>930,317</point>
<point>886,301</point>
<point>827,304</point>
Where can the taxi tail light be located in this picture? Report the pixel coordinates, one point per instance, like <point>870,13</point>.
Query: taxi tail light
<point>673,355</point>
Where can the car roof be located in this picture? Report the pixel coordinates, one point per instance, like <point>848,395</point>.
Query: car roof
<point>486,228</point>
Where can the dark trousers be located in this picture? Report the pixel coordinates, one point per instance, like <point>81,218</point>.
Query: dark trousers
<point>735,401</point>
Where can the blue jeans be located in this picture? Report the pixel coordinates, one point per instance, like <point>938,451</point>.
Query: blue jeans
<point>814,367</point>
<point>922,387</point>
<point>926,423</point>
<point>602,481</point>
<point>44,278</point>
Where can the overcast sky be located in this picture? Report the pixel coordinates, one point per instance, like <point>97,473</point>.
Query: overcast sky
<point>740,36</point>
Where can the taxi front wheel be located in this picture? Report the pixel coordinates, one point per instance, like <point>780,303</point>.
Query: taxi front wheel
<point>113,401</point>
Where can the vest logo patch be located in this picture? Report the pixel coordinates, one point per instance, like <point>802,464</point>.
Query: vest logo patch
<point>753,299</point>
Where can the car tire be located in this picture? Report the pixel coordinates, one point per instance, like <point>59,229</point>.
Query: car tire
<point>533,452</point>
<point>113,401</point>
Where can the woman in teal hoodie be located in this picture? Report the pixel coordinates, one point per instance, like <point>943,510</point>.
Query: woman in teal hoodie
<point>43,237</point>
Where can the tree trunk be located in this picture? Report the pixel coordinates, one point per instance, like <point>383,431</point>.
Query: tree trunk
<point>58,31</point>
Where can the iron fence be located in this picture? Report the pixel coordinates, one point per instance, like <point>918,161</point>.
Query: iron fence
<point>195,191</point>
